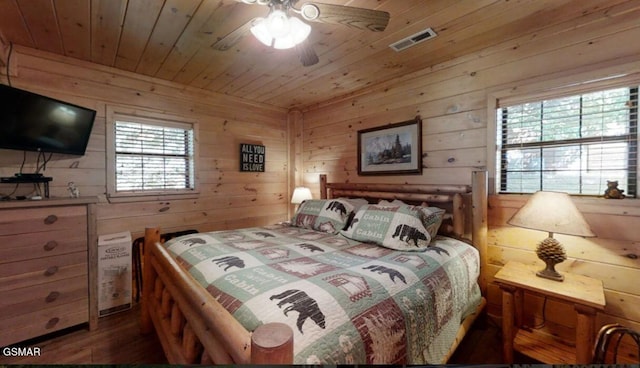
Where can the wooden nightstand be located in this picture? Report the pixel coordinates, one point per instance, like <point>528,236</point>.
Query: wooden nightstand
<point>585,293</point>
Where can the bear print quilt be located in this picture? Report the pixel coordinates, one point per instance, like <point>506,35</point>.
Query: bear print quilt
<point>347,302</point>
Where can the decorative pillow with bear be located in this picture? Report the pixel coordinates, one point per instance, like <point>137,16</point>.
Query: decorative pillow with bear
<point>433,216</point>
<point>326,215</point>
<point>397,227</point>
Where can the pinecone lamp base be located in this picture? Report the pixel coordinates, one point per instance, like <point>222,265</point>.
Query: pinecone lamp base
<point>550,273</point>
<point>551,252</point>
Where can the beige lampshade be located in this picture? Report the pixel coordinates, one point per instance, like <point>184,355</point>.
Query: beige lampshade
<point>553,212</point>
<point>300,194</point>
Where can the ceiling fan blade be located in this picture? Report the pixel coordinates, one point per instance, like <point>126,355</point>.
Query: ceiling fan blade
<point>251,2</point>
<point>306,53</point>
<point>373,20</point>
<point>227,42</point>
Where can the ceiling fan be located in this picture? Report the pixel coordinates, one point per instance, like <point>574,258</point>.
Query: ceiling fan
<point>282,30</point>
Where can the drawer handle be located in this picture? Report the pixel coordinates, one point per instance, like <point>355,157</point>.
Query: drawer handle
<point>51,271</point>
<point>50,245</point>
<point>52,297</point>
<point>52,323</point>
<point>50,219</point>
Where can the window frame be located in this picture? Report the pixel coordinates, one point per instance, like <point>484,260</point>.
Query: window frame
<point>562,86</point>
<point>115,113</point>
<point>580,142</point>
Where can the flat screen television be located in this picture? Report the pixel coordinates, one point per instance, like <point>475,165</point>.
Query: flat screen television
<point>32,122</point>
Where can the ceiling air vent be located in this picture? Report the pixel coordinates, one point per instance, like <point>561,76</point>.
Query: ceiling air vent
<point>413,39</point>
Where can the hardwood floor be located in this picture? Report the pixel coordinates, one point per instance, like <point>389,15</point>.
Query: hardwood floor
<point>118,341</point>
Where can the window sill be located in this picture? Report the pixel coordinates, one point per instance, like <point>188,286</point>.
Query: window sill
<point>586,204</point>
<point>148,197</point>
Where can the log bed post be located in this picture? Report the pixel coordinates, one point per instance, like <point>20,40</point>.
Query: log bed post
<point>177,301</point>
<point>151,236</point>
<point>272,343</point>
<point>323,186</point>
<point>458,215</point>
<point>480,197</point>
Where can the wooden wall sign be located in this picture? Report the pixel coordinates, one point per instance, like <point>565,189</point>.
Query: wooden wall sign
<point>252,157</point>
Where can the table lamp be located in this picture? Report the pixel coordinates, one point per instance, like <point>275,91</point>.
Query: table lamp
<point>553,212</point>
<point>300,194</point>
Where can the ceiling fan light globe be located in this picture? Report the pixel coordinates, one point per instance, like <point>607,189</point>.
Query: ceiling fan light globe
<point>299,30</point>
<point>261,32</point>
<point>278,24</point>
<point>309,11</point>
<point>283,43</point>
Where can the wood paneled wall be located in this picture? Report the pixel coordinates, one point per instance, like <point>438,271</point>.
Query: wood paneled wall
<point>228,198</point>
<point>454,100</point>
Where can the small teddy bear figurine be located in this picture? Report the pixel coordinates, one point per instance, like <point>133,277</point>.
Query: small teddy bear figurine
<point>612,191</point>
<point>74,192</point>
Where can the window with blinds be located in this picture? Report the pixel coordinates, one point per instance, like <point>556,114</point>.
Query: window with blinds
<point>153,157</point>
<point>573,144</point>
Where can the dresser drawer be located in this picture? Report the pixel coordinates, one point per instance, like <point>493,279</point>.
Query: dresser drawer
<point>28,325</point>
<point>35,220</point>
<point>39,297</point>
<point>38,271</point>
<point>43,244</point>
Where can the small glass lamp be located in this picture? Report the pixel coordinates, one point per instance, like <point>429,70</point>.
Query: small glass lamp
<point>300,194</point>
<point>553,212</point>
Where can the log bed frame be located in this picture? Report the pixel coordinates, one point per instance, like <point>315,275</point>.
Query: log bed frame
<point>194,328</point>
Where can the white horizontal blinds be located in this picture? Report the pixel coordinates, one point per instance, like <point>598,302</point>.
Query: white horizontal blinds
<point>153,157</point>
<point>572,144</point>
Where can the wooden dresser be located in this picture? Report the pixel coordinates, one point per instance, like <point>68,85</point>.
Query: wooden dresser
<point>48,265</point>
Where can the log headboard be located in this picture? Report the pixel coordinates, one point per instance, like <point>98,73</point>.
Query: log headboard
<point>455,199</point>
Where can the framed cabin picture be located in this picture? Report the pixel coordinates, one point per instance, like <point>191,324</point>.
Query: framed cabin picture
<point>394,149</point>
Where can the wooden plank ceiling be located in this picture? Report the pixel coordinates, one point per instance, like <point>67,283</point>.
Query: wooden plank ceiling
<point>171,40</point>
